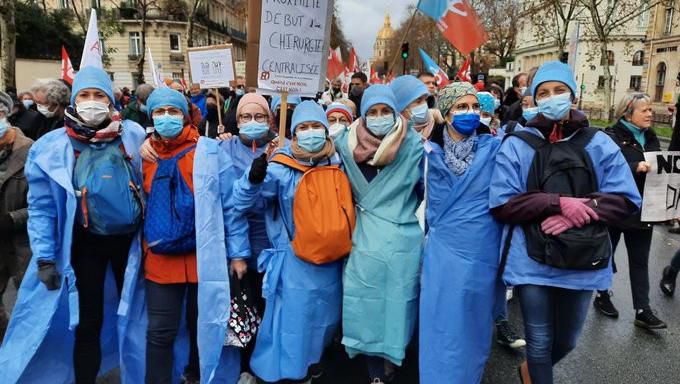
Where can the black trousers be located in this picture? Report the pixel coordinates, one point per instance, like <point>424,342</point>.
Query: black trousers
<point>638,242</point>
<point>90,258</point>
<point>164,303</point>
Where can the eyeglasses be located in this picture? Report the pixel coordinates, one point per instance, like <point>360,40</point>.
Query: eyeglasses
<point>170,111</point>
<point>635,98</point>
<point>247,117</point>
<point>463,108</point>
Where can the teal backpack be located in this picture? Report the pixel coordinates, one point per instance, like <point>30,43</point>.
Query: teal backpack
<point>108,192</point>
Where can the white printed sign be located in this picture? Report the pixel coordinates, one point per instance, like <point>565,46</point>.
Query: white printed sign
<point>294,38</point>
<point>212,67</point>
<point>662,187</point>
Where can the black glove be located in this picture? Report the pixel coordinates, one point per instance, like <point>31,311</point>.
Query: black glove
<point>6,223</point>
<point>48,275</point>
<point>258,171</point>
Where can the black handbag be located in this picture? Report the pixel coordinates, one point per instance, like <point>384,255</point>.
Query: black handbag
<point>244,318</point>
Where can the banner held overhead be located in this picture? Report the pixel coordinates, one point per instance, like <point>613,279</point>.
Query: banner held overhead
<point>294,39</point>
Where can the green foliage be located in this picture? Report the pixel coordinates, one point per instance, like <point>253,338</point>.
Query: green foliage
<point>40,35</point>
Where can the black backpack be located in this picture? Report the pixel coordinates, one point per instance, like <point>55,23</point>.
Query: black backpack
<point>564,167</point>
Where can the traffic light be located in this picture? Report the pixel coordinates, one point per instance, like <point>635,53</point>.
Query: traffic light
<point>404,51</point>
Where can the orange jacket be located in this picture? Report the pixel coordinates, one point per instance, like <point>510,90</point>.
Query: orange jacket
<point>195,112</point>
<point>170,269</point>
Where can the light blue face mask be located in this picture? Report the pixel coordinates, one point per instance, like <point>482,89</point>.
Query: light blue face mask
<point>4,126</point>
<point>311,140</point>
<point>143,107</point>
<point>253,130</point>
<point>168,126</point>
<point>419,113</point>
<point>530,113</point>
<point>240,92</point>
<point>27,103</point>
<point>380,125</point>
<point>555,108</point>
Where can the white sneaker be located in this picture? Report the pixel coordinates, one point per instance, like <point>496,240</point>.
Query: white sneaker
<point>508,294</point>
<point>247,378</point>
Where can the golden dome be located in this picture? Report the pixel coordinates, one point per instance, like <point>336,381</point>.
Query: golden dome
<point>386,32</point>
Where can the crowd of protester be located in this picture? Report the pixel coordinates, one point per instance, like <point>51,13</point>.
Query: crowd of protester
<point>174,234</point>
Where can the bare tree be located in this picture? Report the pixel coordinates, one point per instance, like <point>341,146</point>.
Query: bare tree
<point>551,20</point>
<point>338,38</point>
<point>195,5</point>
<point>500,19</point>
<point>7,43</point>
<point>610,18</point>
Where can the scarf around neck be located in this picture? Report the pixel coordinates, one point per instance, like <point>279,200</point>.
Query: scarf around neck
<point>458,155</point>
<point>372,150</point>
<point>638,134</point>
<point>300,154</point>
<point>107,131</point>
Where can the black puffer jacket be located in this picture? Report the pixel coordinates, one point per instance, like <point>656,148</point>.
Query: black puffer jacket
<point>634,152</point>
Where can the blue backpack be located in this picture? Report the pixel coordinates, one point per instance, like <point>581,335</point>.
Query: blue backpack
<point>169,226</point>
<point>108,192</point>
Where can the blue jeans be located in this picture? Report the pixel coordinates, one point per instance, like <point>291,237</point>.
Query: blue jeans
<point>553,320</point>
<point>675,261</point>
<point>500,305</point>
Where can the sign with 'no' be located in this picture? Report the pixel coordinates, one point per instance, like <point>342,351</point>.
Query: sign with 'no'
<point>661,198</point>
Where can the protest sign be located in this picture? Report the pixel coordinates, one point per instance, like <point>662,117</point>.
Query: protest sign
<point>294,40</point>
<point>240,68</point>
<point>662,187</point>
<point>212,66</point>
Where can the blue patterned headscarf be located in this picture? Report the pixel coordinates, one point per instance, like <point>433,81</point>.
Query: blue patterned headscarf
<point>452,92</point>
<point>486,102</point>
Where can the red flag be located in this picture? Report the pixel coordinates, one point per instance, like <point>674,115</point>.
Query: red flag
<point>66,67</point>
<point>335,65</point>
<point>464,72</point>
<point>374,77</point>
<point>353,63</point>
<point>458,22</point>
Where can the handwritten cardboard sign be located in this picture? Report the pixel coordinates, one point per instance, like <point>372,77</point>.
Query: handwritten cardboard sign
<point>294,38</point>
<point>662,187</point>
<point>212,66</point>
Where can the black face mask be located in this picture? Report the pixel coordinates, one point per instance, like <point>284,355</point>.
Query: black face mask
<point>212,112</point>
<point>337,90</point>
<point>357,91</point>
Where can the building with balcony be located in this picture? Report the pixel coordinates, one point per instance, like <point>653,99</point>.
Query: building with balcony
<point>661,75</point>
<point>625,56</point>
<point>216,22</point>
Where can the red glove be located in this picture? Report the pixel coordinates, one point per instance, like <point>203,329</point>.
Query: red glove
<point>576,210</point>
<point>555,225</point>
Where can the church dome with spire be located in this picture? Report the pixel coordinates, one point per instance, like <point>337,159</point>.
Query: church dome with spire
<point>386,32</point>
<point>383,41</point>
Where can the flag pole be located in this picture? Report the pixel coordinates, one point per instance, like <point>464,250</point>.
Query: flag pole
<point>282,119</point>
<point>403,37</point>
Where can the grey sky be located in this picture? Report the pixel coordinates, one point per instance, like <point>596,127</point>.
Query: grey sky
<point>362,19</point>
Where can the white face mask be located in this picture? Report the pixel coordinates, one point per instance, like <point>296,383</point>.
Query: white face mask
<point>45,110</point>
<point>336,129</point>
<point>92,113</point>
<point>485,120</point>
